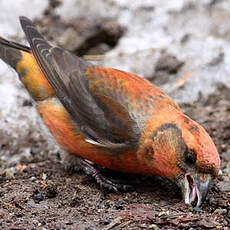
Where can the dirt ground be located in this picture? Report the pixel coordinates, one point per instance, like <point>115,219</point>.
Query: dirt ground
<point>42,194</point>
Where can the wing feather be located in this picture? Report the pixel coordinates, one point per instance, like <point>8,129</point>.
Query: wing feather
<point>102,120</point>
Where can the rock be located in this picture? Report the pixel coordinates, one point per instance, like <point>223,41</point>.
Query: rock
<point>159,77</point>
<point>153,226</point>
<point>220,211</point>
<point>83,35</point>
<point>168,63</point>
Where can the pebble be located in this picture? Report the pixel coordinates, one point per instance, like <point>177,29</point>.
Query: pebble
<point>220,211</point>
<point>153,226</point>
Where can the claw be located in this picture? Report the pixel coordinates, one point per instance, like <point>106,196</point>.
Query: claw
<point>94,171</point>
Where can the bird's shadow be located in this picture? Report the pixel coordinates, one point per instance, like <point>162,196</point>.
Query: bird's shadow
<point>162,188</point>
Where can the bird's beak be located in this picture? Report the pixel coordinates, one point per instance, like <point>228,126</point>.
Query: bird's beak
<point>195,188</point>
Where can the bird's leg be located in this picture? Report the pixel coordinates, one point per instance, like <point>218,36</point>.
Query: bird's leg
<point>94,170</point>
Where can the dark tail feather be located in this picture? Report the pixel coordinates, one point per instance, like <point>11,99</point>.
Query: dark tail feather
<point>10,52</point>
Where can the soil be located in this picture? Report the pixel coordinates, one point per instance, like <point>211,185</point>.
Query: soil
<point>42,194</point>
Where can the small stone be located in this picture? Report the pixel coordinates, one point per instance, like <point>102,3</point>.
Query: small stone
<point>32,178</point>
<point>44,176</point>
<point>168,63</point>
<point>153,226</point>
<point>160,77</point>
<point>105,221</point>
<point>38,197</point>
<point>220,211</point>
<point>163,213</point>
<point>100,206</point>
<point>119,205</point>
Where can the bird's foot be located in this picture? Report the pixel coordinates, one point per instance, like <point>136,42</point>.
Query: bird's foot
<point>94,170</point>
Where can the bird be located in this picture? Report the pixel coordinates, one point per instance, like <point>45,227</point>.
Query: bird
<point>112,119</point>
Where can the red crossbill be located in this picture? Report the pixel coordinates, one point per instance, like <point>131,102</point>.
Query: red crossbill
<point>112,118</point>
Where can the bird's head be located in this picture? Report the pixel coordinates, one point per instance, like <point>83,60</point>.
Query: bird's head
<point>182,151</point>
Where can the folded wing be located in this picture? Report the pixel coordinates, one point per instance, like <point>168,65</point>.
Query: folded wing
<point>104,121</point>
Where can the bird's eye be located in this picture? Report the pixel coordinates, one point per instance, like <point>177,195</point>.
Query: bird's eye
<point>190,156</point>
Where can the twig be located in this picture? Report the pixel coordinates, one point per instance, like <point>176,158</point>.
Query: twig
<point>124,224</point>
<point>181,82</point>
<point>113,223</point>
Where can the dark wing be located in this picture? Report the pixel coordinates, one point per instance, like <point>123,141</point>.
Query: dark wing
<point>102,120</point>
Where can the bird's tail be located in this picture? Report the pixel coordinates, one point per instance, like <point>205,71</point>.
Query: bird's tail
<point>11,52</point>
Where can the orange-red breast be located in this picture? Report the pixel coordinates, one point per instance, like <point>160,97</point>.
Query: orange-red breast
<point>113,118</point>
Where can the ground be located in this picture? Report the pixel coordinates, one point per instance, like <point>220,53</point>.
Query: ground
<point>38,192</point>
